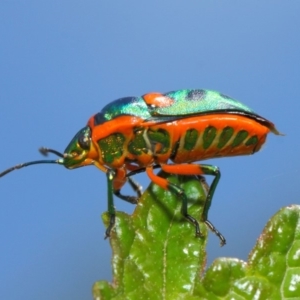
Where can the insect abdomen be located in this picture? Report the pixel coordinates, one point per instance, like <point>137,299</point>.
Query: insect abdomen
<point>185,140</point>
<point>211,136</point>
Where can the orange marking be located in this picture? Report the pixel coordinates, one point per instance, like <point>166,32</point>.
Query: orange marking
<point>122,124</point>
<point>100,166</point>
<point>90,122</point>
<point>177,130</point>
<point>119,179</point>
<point>183,169</point>
<point>158,100</point>
<point>163,183</point>
<point>219,121</point>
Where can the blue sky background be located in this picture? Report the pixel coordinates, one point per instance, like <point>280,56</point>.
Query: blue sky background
<point>62,61</point>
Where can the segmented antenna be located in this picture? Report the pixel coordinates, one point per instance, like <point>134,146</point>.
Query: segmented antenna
<point>44,151</point>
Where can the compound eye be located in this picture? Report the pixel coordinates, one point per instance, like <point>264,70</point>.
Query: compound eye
<point>84,142</point>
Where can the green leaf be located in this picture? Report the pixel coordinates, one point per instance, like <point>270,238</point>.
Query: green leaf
<point>157,256</point>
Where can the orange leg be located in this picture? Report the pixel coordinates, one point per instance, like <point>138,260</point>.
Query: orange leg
<point>120,178</point>
<point>183,169</point>
<point>190,169</point>
<point>165,184</point>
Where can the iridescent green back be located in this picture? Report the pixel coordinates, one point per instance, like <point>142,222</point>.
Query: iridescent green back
<point>186,103</point>
<point>133,106</point>
<point>191,102</point>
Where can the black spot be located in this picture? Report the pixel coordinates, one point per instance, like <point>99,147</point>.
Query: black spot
<point>196,95</point>
<point>99,118</point>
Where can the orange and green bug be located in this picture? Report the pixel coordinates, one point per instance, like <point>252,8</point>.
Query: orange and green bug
<point>170,131</point>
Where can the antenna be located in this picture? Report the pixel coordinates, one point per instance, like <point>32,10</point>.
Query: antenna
<point>44,151</point>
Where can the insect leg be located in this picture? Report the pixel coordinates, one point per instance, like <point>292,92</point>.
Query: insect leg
<point>193,169</point>
<point>136,187</point>
<point>165,184</point>
<point>115,180</point>
<point>211,170</point>
<point>110,202</point>
<point>119,180</point>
